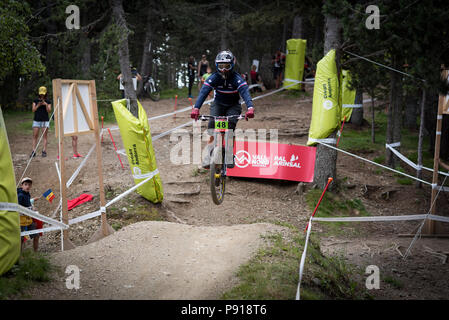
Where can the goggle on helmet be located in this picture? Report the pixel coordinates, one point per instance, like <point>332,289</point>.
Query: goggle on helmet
<point>224,62</point>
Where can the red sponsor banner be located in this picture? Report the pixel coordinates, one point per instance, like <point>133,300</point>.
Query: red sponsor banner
<point>273,161</point>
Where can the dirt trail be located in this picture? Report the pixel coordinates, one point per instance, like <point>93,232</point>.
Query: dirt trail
<point>158,260</point>
<point>187,199</point>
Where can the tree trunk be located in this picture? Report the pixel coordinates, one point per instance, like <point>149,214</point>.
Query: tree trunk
<point>326,158</point>
<point>85,49</point>
<point>357,113</point>
<point>420,138</point>
<point>411,107</point>
<point>266,71</point>
<point>85,46</point>
<point>297,32</point>
<point>394,117</point>
<point>332,33</point>
<point>147,52</point>
<point>223,32</point>
<point>283,45</point>
<point>246,67</point>
<point>373,123</point>
<point>119,16</point>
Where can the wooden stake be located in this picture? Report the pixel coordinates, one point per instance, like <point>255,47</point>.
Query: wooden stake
<point>105,229</point>
<point>429,226</point>
<point>67,244</point>
<point>176,106</point>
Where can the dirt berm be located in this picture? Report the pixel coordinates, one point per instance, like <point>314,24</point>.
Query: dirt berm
<point>158,260</point>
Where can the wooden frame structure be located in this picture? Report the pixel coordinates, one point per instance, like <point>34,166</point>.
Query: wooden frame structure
<point>431,227</point>
<point>78,114</point>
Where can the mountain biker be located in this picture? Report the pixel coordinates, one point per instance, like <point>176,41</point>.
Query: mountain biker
<point>228,86</point>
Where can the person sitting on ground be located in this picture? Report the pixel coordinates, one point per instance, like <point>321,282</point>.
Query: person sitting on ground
<point>28,223</point>
<point>228,86</point>
<point>41,107</point>
<point>255,78</point>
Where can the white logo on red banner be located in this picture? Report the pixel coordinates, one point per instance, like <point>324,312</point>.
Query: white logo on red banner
<point>242,159</point>
<point>273,161</point>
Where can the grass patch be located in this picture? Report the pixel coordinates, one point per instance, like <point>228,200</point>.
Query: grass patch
<point>20,122</point>
<point>395,283</point>
<point>334,205</point>
<point>197,171</point>
<point>180,92</point>
<point>273,273</point>
<point>358,140</point>
<point>404,181</point>
<point>379,159</point>
<point>295,94</point>
<point>30,269</point>
<point>134,214</point>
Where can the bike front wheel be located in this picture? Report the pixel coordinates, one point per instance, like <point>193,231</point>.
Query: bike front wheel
<point>153,92</point>
<point>217,177</point>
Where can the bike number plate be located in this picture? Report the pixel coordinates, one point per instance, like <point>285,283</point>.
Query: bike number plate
<point>221,124</point>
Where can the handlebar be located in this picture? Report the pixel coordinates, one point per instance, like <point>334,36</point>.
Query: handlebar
<point>206,117</point>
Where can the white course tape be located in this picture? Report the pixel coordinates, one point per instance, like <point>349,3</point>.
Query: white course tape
<point>43,230</point>
<point>85,217</point>
<point>440,117</point>
<point>103,209</point>
<point>303,260</point>
<point>37,145</point>
<point>408,161</point>
<point>438,133</point>
<point>254,85</point>
<point>358,219</point>
<point>326,140</point>
<point>163,134</point>
<point>401,156</point>
<point>352,105</point>
<point>6,206</point>
<point>372,218</point>
<point>394,145</point>
<point>124,194</point>
<point>438,218</point>
<point>374,163</point>
<point>442,188</point>
<point>77,171</point>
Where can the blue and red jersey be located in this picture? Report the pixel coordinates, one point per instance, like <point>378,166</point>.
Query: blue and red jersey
<point>227,91</point>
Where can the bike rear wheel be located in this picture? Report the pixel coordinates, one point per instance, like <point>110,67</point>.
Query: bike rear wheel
<point>217,177</point>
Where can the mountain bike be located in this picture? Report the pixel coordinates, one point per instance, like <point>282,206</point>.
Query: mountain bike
<point>218,164</point>
<point>151,88</point>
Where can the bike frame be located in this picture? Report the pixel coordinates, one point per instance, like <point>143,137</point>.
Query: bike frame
<point>222,132</point>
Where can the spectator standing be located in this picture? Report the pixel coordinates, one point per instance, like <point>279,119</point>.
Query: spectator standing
<point>135,75</point>
<point>41,107</point>
<point>191,68</point>
<point>202,69</point>
<point>255,78</point>
<point>278,62</point>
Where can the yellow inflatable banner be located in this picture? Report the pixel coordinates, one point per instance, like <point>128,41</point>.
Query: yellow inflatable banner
<point>347,96</point>
<point>9,221</point>
<point>137,141</point>
<point>294,62</point>
<point>326,108</point>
